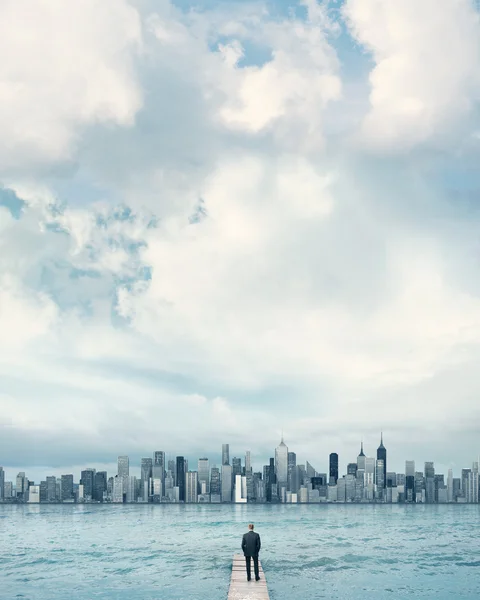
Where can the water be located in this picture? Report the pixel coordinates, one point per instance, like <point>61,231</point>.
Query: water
<point>167,552</point>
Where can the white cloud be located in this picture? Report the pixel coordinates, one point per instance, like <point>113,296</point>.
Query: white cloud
<point>426,79</point>
<point>307,272</point>
<point>69,65</point>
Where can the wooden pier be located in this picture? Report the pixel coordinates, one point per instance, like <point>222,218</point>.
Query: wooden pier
<point>240,588</point>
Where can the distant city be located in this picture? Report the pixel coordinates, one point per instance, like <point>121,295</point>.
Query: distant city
<point>282,480</point>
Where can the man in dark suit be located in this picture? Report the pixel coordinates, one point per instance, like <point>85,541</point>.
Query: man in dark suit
<point>251,547</point>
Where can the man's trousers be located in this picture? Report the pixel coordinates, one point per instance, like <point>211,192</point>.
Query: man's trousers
<point>255,566</point>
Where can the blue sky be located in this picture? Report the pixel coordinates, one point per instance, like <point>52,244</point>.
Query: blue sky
<point>331,287</point>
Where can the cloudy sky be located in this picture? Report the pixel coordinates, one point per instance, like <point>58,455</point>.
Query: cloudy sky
<point>221,219</point>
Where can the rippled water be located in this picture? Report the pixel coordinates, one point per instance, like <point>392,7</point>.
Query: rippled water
<point>168,552</point>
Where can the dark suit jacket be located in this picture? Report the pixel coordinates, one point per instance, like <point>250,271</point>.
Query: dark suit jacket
<point>251,544</point>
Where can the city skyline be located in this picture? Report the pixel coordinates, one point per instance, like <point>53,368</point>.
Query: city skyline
<point>284,479</point>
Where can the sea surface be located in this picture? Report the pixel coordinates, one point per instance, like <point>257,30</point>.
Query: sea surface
<point>167,552</point>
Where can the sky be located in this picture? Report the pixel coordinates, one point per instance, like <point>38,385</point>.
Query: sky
<point>224,220</point>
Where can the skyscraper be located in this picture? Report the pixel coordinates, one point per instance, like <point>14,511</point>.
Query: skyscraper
<point>67,488</point>
<point>225,454</point>
<point>87,479</point>
<point>361,458</point>
<point>215,482</point>
<point>333,472</point>
<point>248,462</point>
<point>236,467</point>
<point>226,483</point>
<point>100,485</point>
<point>382,455</point>
<point>429,483</point>
<point>158,467</point>
<point>123,466</point>
<point>2,483</point>
<point>204,474</point>
<point>292,484</point>
<point>410,495</point>
<point>180,478</point>
<point>191,486</point>
<point>281,464</point>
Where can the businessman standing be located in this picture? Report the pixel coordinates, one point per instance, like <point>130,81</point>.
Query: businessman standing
<point>251,547</point>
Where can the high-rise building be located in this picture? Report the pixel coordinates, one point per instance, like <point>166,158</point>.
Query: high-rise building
<point>410,481</point>
<point>180,478</point>
<point>450,486</point>
<point>429,482</point>
<point>240,488</point>
<point>352,469</point>
<point>172,467</point>
<point>118,492</point>
<point>204,474</point>
<point>21,486</point>
<point>236,467</point>
<point>191,486</point>
<point>361,458</point>
<point>248,462</point>
<point>2,484</point>
<point>123,466</point>
<point>100,485</point>
<point>52,489</point>
<point>226,483</point>
<point>87,479</point>
<point>67,488</point>
<point>333,470</point>
<point>309,470</point>
<point>281,464</point>
<point>382,455</point>
<point>225,454</point>
<point>215,481</point>
<point>292,484</point>
<point>158,467</point>
<point>380,482</point>
<point>146,473</point>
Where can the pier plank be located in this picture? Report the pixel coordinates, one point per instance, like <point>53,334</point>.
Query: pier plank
<point>240,588</point>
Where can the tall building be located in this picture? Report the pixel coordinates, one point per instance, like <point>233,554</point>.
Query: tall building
<point>236,467</point>
<point>380,482</point>
<point>292,484</point>
<point>21,486</point>
<point>100,485</point>
<point>87,479</point>
<point>146,475</point>
<point>123,466</point>
<point>361,458</point>
<point>2,484</point>
<point>67,488</point>
<point>52,489</point>
<point>158,467</point>
<point>225,454</point>
<point>450,486</point>
<point>191,486</point>
<point>180,478</point>
<point>215,481</point>
<point>281,464</point>
<point>333,468</point>
<point>410,481</point>
<point>382,455</point>
<point>226,483</point>
<point>240,488</point>
<point>429,482</point>
<point>352,469</point>
<point>309,470</point>
<point>248,461</point>
<point>204,475</point>
<point>270,479</point>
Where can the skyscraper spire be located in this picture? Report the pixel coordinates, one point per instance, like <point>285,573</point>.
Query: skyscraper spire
<point>381,440</point>
<point>361,449</point>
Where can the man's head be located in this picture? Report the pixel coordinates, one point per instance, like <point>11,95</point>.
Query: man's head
<point>250,527</point>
